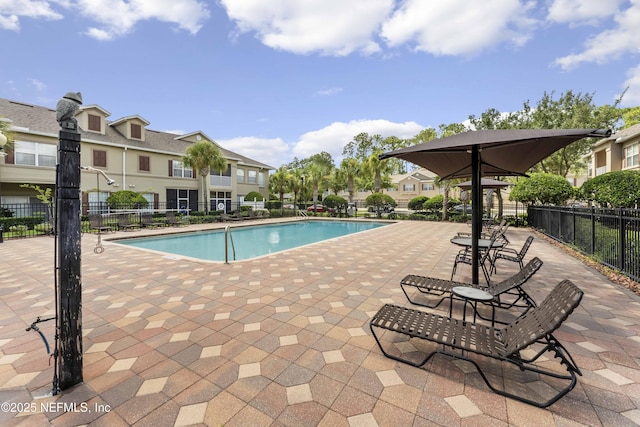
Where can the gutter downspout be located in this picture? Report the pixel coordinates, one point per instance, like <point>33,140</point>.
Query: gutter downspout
<point>124,169</point>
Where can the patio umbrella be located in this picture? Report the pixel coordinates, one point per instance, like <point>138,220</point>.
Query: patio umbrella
<point>492,184</point>
<point>498,152</point>
<point>485,183</point>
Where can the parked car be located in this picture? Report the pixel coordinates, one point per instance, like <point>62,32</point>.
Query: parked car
<point>289,206</point>
<point>318,208</point>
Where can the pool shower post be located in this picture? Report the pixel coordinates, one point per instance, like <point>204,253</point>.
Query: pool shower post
<point>68,352</point>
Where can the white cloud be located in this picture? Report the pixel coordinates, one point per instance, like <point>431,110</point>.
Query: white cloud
<point>12,10</point>
<point>329,92</point>
<point>334,137</point>
<point>119,17</point>
<point>632,96</point>
<point>272,151</point>
<point>582,11</point>
<point>610,44</point>
<point>331,27</point>
<point>38,84</point>
<point>458,27</point>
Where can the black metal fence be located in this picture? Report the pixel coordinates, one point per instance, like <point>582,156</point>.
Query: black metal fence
<point>36,219</point>
<point>611,236</point>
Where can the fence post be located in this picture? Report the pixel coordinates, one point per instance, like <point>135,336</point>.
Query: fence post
<point>593,230</point>
<point>623,239</point>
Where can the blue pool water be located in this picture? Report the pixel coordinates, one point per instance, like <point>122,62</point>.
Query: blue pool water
<point>251,241</point>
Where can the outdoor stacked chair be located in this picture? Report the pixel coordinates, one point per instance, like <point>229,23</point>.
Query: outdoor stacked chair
<point>173,220</point>
<point>124,223</point>
<point>521,343</point>
<point>95,223</point>
<point>511,254</point>
<point>464,256</point>
<point>147,221</point>
<point>425,288</point>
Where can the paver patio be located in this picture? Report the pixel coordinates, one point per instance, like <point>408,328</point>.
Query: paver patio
<point>284,340</point>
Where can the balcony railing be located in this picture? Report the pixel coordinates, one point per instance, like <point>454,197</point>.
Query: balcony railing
<point>220,181</point>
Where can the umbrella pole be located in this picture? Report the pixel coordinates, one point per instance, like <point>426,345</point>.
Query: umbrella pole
<point>476,207</point>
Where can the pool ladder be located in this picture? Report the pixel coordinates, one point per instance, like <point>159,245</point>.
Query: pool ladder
<point>227,237</point>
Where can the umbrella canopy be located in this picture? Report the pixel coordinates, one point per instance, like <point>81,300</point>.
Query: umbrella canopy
<point>481,153</point>
<point>485,183</point>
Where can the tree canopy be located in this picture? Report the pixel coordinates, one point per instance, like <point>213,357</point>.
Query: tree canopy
<point>569,111</point>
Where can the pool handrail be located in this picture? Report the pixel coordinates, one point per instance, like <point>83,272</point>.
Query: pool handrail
<point>227,236</point>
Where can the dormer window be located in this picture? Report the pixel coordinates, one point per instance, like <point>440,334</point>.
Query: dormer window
<point>95,123</point>
<point>136,131</point>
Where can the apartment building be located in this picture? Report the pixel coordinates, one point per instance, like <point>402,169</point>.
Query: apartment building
<point>136,157</point>
<point>617,152</point>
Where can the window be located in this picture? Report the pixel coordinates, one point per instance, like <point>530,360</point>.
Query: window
<point>180,171</point>
<point>136,131</point>
<point>409,187</point>
<point>630,156</point>
<point>427,187</point>
<point>100,158</point>
<point>95,124</point>
<point>253,177</point>
<point>261,179</point>
<point>35,154</point>
<point>144,163</point>
<point>240,175</point>
<point>226,172</point>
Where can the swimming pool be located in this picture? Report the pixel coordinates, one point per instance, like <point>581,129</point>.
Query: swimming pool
<point>251,241</point>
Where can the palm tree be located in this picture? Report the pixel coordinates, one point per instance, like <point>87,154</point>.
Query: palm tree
<point>316,176</point>
<point>280,183</point>
<point>376,168</point>
<point>4,129</point>
<point>337,180</point>
<point>203,157</point>
<point>351,168</point>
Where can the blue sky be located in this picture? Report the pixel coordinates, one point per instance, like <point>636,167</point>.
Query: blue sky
<point>282,78</point>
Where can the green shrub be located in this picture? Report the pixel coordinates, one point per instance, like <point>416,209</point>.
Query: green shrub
<point>253,195</point>
<point>417,203</point>
<point>544,188</point>
<point>619,189</point>
<point>126,199</point>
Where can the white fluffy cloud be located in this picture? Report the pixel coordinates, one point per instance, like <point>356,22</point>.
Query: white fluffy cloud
<point>331,27</point>
<point>272,151</point>
<point>582,11</point>
<point>334,137</point>
<point>118,17</point>
<point>457,27</point>
<point>12,10</point>
<point>610,44</point>
<point>632,96</point>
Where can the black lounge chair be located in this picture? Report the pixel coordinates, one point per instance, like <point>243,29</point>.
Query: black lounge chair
<point>147,221</point>
<point>125,224</point>
<point>173,220</point>
<point>442,288</point>
<point>226,217</point>
<point>464,340</point>
<point>95,223</point>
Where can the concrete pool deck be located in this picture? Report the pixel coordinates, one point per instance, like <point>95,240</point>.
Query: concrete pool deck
<point>284,340</point>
